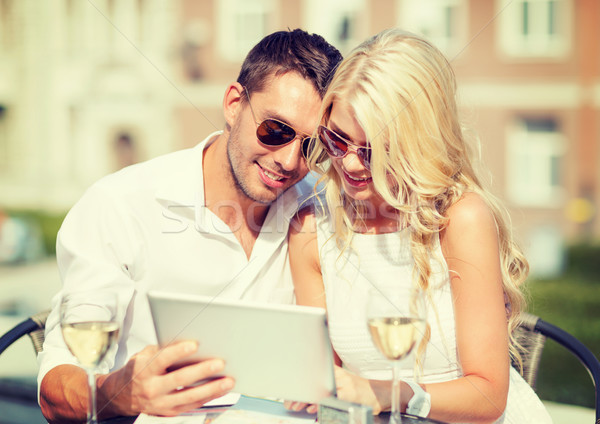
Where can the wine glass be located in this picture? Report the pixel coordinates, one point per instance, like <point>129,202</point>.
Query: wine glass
<point>90,327</point>
<point>396,316</point>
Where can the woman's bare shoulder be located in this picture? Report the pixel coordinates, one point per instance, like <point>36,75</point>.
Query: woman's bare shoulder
<point>304,221</point>
<point>469,211</point>
<point>470,221</point>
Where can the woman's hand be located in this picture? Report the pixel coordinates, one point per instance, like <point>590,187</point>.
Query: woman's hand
<point>311,408</point>
<point>352,388</point>
<point>374,393</point>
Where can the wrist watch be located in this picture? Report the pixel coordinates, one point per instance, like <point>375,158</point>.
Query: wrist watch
<point>420,403</point>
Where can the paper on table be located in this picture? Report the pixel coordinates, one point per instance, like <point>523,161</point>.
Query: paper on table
<point>193,417</point>
<point>239,416</point>
<point>180,419</point>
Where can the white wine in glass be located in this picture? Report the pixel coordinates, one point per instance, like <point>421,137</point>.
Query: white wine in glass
<point>90,327</point>
<point>395,337</point>
<point>396,318</point>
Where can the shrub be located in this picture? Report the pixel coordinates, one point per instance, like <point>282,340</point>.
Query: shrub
<point>47,223</point>
<point>583,261</point>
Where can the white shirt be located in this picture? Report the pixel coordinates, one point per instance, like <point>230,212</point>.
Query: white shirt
<point>145,228</point>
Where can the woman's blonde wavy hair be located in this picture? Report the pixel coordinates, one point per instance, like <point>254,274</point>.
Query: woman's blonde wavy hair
<point>403,93</point>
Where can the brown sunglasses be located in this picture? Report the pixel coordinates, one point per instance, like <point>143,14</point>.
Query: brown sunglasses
<point>274,133</point>
<point>338,147</point>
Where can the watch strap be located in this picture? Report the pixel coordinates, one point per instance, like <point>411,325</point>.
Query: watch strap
<point>420,403</point>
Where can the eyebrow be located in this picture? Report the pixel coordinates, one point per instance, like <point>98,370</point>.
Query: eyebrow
<point>341,132</point>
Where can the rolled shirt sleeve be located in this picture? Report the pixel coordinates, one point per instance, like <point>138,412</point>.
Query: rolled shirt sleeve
<point>99,247</point>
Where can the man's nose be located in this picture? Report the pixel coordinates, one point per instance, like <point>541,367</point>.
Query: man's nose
<point>289,157</point>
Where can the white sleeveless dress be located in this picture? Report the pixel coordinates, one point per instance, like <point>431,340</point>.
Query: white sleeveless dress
<point>377,259</point>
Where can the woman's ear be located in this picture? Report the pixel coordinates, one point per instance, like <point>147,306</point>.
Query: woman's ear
<point>232,102</point>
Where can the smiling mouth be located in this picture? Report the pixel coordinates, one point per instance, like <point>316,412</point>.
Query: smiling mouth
<point>273,176</point>
<point>271,179</point>
<point>358,179</point>
<point>357,182</point>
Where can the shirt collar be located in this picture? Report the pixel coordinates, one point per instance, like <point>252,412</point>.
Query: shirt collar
<point>182,190</point>
<point>183,183</point>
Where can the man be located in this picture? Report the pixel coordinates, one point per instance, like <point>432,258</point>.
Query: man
<point>209,220</point>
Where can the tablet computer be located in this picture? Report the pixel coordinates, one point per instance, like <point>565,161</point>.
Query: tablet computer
<point>280,351</point>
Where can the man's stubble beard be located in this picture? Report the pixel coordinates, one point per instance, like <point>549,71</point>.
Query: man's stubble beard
<point>235,160</point>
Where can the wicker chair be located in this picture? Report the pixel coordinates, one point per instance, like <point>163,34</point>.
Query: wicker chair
<point>33,326</point>
<point>533,332</point>
<point>18,395</point>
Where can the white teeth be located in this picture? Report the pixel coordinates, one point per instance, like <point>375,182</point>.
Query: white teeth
<point>272,176</point>
<point>356,179</point>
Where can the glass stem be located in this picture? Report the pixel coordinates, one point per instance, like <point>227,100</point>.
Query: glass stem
<point>92,417</point>
<point>395,411</point>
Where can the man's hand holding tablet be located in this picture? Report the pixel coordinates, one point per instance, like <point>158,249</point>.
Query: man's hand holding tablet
<point>280,351</point>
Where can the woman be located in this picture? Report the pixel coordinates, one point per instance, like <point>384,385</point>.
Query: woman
<point>402,199</point>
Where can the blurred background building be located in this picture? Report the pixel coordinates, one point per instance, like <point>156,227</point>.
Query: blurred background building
<point>90,86</point>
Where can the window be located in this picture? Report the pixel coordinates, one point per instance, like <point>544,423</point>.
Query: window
<point>7,25</point>
<point>443,22</point>
<point>545,251</point>
<point>341,22</point>
<point>74,27</point>
<point>535,149</point>
<point>4,137</point>
<point>242,24</point>
<point>534,28</point>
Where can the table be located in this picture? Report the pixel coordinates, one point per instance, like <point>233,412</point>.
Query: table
<point>276,408</point>
<point>384,418</point>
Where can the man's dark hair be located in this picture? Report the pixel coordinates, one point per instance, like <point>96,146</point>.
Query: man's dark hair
<point>290,51</point>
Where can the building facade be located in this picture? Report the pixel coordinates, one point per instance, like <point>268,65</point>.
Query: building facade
<point>87,87</point>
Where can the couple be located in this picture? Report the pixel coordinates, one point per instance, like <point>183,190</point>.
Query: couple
<point>208,220</point>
